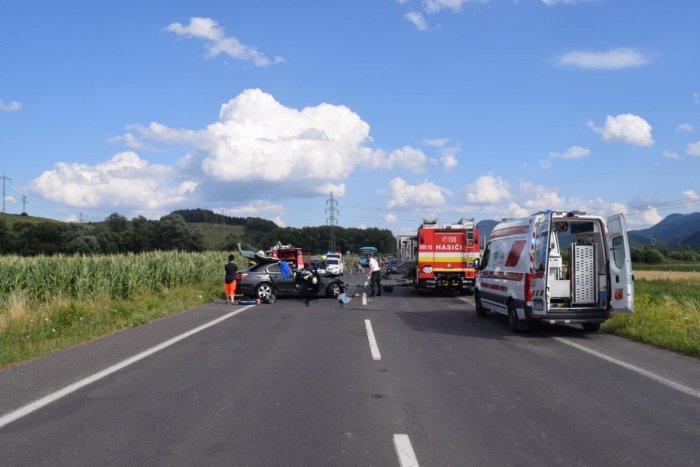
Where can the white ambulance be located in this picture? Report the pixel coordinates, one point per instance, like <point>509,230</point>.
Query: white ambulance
<point>556,267</point>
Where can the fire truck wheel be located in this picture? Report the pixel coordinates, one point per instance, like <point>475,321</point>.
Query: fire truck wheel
<point>480,310</point>
<point>514,324</point>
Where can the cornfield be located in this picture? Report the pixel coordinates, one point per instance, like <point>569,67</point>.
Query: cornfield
<point>41,279</point>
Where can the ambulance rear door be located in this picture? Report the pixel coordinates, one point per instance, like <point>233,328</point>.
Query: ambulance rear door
<point>541,225</point>
<point>620,265</point>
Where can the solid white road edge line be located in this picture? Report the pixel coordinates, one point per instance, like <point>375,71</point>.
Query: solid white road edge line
<point>54,396</point>
<point>407,458</point>
<point>372,341</point>
<point>659,379</point>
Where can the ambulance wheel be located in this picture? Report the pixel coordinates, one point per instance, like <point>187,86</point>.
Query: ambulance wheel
<point>514,324</point>
<point>480,310</point>
<point>590,327</point>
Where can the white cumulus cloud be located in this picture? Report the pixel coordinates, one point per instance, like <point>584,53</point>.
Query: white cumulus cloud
<point>11,106</point>
<point>574,152</point>
<point>563,2</point>
<point>693,149</point>
<point>488,189</point>
<point>125,180</point>
<point>667,153</point>
<point>433,6</point>
<point>541,197</point>
<point>691,195</point>
<point>417,20</point>
<point>614,59</point>
<point>216,41</point>
<point>255,208</point>
<point>259,139</point>
<point>625,128</point>
<point>650,216</point>
<point>423,194</point>
<point>391,218</point>
<point>685,128</point>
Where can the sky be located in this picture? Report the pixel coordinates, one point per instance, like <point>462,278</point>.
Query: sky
<point>402,109</point>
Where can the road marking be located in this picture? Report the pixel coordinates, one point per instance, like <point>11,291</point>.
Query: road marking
<point>659,379</point>
<point>372,341</point>
<point>467,300</point>
<point>407,458</point>
<point>54,396</point>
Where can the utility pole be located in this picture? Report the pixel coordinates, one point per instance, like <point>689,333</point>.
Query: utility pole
<point>4,178</point>
<point>24,204</point>
<point>332,212</point>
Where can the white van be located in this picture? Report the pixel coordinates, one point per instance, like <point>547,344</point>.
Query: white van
<point>556,267</point>
<point>334,264</point>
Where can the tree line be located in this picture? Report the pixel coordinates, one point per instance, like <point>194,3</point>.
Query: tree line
<point>659,253</point>
<point>176,231</point>
<point>115,235</point>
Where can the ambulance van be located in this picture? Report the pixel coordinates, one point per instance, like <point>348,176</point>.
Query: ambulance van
<point>556,267</point>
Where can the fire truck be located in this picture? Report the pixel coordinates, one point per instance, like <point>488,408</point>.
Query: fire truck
<point>445,256</point>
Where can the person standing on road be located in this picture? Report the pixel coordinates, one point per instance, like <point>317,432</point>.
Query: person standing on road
<point>230,279</point>
<point>308,283</point>
<point>375,277</point>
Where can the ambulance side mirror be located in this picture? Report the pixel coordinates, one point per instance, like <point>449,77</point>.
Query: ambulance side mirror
<point>476,263</point>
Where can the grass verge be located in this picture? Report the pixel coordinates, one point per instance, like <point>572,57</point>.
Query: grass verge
<point>29,330</point>
<point>666,314</point>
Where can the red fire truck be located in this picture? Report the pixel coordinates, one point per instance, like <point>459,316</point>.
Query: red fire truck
<point>446,255</point>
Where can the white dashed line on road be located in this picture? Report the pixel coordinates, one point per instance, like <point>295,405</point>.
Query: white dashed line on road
<point>659,379</point>
<point>407,458</point>
<point>54,396</point>
<point>372,341</point>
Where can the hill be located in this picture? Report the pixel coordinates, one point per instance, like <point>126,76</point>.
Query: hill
<point>11,219</point>
<point>485,228</point>
<point>215,235</point>
<point>674,230</point>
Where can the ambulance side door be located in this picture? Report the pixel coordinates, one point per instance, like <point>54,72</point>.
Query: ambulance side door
<point>620,265</point>
<point>540,264</point>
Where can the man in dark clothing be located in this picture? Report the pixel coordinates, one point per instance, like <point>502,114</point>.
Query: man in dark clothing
<point>375,276</point>
<point>308,283</point>
<point>230,279</point>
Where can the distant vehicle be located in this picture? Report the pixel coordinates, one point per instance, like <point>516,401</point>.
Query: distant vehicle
<point>265,278</point>
<point>334,265</point>
<point>392,266</point>
<point>364,253</point>
<point>556,267</point>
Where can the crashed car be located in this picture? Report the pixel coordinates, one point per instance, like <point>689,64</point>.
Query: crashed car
<point>266,278</point>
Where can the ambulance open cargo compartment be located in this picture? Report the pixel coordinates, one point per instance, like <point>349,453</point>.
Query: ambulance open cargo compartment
<point>584,274</point>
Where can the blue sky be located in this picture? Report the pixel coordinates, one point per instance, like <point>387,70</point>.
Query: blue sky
<point>403,109</point>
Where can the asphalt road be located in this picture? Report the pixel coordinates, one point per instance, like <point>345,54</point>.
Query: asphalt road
<point>289,385</point>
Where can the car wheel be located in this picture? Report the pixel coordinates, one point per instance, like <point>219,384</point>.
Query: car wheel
<point>590,327</point>
<point>264,290</point>
<point>333,290</point>
<point>480,310</point>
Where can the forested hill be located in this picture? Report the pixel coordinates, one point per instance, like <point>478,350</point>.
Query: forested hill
<point>188,230</point>
<point>206,216</point>
<point>674,230</point>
